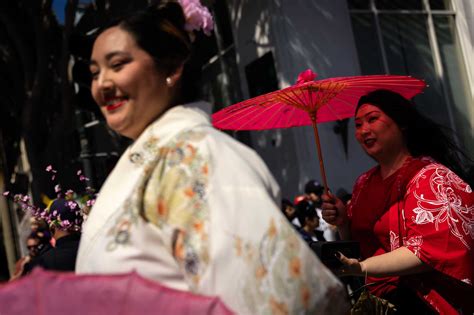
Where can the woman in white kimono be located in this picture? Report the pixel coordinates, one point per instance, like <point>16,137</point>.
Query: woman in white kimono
<point>187,205</point>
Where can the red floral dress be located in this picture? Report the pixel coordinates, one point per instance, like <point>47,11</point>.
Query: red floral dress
<point>436,220</point>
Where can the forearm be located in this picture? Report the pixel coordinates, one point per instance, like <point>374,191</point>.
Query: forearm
<point>396,263</point>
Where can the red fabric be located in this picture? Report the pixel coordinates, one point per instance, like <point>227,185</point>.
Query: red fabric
<point>372,197</point>
<point>437,224</point>
<point>331,99</point>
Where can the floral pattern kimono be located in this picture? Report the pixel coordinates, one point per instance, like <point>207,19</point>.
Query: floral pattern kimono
<point>192,208</point>
<point>435,218</point>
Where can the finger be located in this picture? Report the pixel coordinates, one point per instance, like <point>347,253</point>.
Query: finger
<point>342,258</point>
<point>328,205</point>
<point>329,218</point>
<point>329,212</point>
<point>327,197</point>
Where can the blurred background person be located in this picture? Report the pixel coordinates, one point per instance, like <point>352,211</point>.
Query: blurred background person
<point>309,221</point>
<point>36,242</point>
<point>65,219</point>
<point>289,210</point>
<point>313,191</point>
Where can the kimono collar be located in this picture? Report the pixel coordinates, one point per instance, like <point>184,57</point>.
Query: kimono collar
<point>174,121</point>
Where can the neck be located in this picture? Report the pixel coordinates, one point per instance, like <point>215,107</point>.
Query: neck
<point>391,164</point>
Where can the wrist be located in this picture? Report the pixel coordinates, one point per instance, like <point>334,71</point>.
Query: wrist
<point>363,268</point>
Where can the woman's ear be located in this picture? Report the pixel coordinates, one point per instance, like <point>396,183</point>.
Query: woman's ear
<point>175,76</point>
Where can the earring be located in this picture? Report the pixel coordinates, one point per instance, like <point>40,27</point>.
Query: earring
<point>169,82</point>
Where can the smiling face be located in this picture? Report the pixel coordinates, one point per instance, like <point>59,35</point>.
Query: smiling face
<point>126,85</point>
<point>377,133</point>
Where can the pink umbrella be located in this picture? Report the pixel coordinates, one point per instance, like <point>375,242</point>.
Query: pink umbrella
<point>44,292</point>
<point>309,102</point>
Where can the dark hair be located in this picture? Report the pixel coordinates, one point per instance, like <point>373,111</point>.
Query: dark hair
<point>422,136</point>
<point>313,186</point>
<point>159,30</point>
<point>304,210</point>
<point>285,203</point>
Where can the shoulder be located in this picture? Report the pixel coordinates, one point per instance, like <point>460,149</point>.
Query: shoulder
<point>438,178</point>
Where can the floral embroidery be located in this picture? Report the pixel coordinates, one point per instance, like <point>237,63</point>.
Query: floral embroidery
<point>278,272</point>
<point>446,205</point>
<point>467,281</point>
<point>146,153</point>
<point>120,231</point>
<point>176,199</point>
<point>173,188</point>
<point>413,242</point>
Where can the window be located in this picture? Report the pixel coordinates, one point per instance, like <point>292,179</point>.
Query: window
<point>220,72</point>
<point>220,81</point>
<point>417,38</point>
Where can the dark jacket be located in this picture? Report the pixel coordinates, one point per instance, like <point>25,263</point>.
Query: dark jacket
<point>308,237</point>
<point>62,257</point>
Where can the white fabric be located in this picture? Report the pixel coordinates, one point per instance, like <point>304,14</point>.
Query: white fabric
<point>192,208</point>
<point>329,231</point>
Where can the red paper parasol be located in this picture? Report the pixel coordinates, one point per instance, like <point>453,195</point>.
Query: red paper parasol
<point>309,102</point>
<point>44,292</point>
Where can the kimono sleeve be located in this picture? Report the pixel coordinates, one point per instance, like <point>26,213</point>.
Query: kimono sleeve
<point>175,201</point>
<point>439,220</point>
<point>256,264</point>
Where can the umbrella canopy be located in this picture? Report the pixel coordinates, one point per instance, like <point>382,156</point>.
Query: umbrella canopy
<point>327,100</point>
<point>309,102</point>
<point>44,292</point>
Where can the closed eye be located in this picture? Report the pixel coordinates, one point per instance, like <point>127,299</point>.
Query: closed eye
<point>117,65</point>
<point>372,119</point>
<point>94,71</point>
<point>94,75</point>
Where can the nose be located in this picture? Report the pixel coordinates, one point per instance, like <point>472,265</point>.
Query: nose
<point>104,82</point>
<point>365,131</point>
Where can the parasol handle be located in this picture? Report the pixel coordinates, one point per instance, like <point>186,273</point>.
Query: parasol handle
<point>320,154</point>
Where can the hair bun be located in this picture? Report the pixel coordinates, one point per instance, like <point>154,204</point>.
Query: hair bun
<point>169,10</point>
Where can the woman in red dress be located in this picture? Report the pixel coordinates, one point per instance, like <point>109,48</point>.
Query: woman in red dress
<point>413,213</point>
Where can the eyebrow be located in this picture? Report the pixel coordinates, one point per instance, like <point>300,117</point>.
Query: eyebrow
<point>366,114</point>
<point>109,56</point>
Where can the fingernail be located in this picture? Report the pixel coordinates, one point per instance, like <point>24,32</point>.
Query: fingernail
<point>338,255</point>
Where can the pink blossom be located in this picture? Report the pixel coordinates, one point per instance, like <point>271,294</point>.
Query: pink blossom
<point>79,172</point>
<point>83,178</point>
<point>6,193</point>
<point>72,205</point>
<point>90,203</point>
<point>197,16</point>
<point>57,188</point>
<point>49,168</point>
<point>306,76</point>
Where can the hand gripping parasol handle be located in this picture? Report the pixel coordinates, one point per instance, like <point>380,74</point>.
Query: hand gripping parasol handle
<point>320,154</point>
